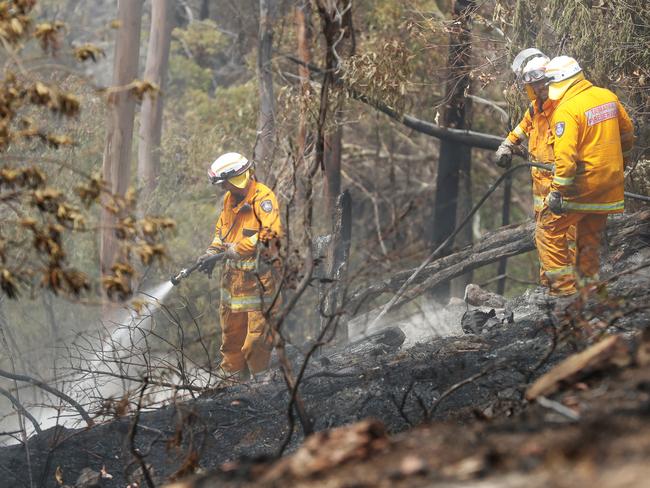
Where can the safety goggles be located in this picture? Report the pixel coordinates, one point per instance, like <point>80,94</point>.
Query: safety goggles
<point>533,76</point>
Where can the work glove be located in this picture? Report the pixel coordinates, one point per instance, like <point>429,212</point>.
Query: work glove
<point>205,265</point>
<point>504,154</point>
<point>554,202</point>
<point>230,253</point>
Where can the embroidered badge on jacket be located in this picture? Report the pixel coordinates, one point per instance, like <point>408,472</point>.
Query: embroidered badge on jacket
<point>559,129</point>
<point>267,206</point>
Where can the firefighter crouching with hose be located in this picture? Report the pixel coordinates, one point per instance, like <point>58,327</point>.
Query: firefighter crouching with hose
<point>591,131</point>
<point>249,225</point>
<point>529,67</point>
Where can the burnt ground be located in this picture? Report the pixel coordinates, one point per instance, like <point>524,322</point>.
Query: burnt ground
<point>455,405</point>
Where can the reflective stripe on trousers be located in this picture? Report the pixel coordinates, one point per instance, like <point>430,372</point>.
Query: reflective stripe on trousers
<point>246,302</point>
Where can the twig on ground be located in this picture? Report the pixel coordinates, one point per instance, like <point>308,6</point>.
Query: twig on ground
<point>558,408</point>
<point>459,385</point>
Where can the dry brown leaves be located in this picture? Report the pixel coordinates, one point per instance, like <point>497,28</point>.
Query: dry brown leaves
<point>88,51</point>
<point>326,450</point>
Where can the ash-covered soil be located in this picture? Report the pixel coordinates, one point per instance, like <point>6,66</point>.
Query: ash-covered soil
<point>455,403</point>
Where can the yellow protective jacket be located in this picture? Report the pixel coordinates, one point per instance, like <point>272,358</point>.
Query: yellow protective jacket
<point>591,130</point>
<point>248,284</point>
<point>536,127</point>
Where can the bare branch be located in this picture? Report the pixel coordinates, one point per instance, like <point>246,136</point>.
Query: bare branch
<point>44,386</point>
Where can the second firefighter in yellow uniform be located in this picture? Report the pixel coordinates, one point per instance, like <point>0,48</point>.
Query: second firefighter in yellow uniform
<point>249,223</point>
<point>591,132</point>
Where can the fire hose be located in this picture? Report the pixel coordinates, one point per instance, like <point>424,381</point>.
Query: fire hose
<point>436,253</point>
<point>206,264</point>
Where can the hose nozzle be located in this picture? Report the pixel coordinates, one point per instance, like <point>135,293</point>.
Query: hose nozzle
<point>184,273</point>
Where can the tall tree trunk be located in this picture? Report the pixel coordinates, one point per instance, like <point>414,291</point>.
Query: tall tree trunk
<point>455,159</point>
<point>266,121</point>
<point>151,113</point>
<point>116,168</point>
<point>336,18</point>
<point>302,17</point>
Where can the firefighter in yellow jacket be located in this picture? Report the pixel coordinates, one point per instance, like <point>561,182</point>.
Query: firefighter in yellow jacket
<point>529,67</point>
<point>591,131</point>
<point>248,224</point>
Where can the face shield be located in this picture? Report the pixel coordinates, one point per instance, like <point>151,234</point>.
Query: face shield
<point>240,181</point>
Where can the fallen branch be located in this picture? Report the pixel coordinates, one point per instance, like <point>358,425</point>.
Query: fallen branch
<point>557,407</point>
<point>504,242</point>
<point>467,137</point>
<point>623,233</point>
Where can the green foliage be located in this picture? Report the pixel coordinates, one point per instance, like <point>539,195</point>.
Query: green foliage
<point>201,40</point>
<point>184,73</point>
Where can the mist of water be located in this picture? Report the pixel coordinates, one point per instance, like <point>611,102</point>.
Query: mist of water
<point>421,321</point>
<point>126,329</point>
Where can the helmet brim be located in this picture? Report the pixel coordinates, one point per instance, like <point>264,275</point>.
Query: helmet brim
<point>557,90</point>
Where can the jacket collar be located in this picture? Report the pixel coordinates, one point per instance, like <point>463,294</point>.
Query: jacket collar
<point>574,89</point>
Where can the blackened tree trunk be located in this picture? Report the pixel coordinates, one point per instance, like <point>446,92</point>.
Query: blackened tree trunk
<point>116,167</point>
<point>151,114</point>
<point>266,121</point>
<point>332,160</point>
<point>454,165</point>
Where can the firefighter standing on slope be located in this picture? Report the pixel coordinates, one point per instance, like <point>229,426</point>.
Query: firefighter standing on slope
<point>529,67</point>
<point>248,224</point>
<point>591,131</point>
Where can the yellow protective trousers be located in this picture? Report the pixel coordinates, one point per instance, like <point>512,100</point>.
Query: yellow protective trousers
<point>571,245</point>
<point>561,267</point>
<point>246,340</point>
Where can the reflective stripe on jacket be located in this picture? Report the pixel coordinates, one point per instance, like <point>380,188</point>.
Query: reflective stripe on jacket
<point>591,130</point>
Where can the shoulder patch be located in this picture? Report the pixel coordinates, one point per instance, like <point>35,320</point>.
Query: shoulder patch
<point>267,206</point>
<point>559,129</point>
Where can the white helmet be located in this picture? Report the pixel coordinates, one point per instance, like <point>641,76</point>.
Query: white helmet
<point>228,166</point>
<point>523,58</point>
<point>534,70</point>
<point>561,68</point>
<point>562,72</point>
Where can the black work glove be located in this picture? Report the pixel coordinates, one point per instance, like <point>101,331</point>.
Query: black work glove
<point>554,202</point>
<point>206,265</point>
